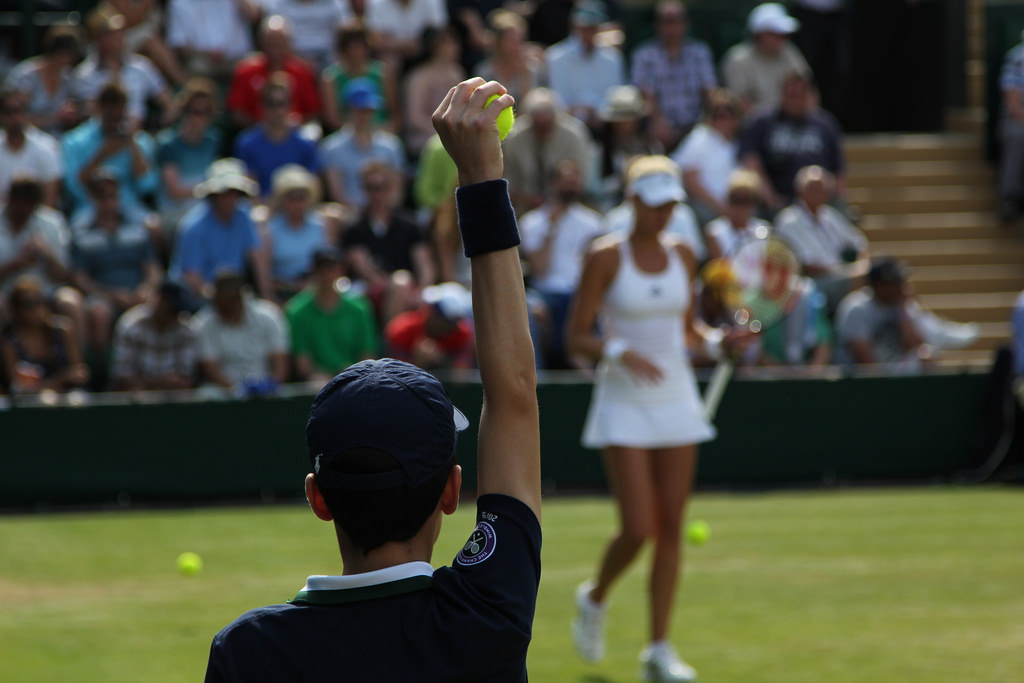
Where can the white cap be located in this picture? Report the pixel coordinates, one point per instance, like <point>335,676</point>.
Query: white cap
<point>657,189</point>
<point>452,299</point>
<point>771,17</point>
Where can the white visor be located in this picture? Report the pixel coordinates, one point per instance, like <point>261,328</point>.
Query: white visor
<point>657,189</point>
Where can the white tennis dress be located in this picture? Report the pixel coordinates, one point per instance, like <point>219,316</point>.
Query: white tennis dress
<point>647,311</point>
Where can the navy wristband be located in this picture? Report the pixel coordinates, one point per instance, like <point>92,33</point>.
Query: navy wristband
<point>486,219</point>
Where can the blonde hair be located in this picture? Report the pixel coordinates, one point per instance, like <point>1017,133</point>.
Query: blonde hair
<point>650,164</point>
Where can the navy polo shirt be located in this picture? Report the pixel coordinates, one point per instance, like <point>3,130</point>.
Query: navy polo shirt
<point>468,622</point>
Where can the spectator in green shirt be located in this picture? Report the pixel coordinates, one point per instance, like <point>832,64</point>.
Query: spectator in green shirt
<point>332,326</point>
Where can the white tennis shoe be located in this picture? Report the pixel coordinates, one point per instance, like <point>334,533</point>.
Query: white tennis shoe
<point>588,626</point>
<point>661,664</point>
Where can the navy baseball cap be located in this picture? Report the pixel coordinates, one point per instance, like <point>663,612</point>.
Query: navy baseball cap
<point>388,405</point>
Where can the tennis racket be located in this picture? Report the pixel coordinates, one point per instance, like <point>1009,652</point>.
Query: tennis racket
<point>758,284</point>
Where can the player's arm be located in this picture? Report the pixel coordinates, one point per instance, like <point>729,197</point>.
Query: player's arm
<point>509,446</point>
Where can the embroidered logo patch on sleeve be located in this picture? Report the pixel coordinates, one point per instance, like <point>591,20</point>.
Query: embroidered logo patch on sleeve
<point>479,547</point>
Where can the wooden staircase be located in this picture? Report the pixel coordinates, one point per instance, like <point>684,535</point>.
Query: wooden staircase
<point>930,200</point>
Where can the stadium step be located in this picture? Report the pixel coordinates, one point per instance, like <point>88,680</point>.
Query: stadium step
<point>952,252</point>
<point>949,225</point>
<point>988,307</point>
<point>923,199</point>
<point>896,147</point>
<point>877,174</point>
<point>930,201</point>
<point>968,279</point>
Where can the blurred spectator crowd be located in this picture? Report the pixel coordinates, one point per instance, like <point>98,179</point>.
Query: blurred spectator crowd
<point>234,194</point>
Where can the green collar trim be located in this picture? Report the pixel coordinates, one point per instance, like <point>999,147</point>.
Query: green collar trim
<point>341,596</point>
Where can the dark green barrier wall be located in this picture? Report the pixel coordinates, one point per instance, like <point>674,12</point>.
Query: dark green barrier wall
<point>771,432</point>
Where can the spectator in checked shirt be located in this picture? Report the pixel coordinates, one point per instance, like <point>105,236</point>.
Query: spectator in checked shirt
<point>154,348</point>
<point>674,73</point>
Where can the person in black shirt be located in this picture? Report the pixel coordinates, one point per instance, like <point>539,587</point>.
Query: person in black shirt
<point>386,251</point>
<point>381,440</point>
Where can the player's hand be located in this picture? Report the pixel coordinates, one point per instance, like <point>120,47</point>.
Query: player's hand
<point>468,131</point>
<point>642,369</point>
<point>736,340</point>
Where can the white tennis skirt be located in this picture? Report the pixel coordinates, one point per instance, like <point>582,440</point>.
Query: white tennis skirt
<point>625,412</point>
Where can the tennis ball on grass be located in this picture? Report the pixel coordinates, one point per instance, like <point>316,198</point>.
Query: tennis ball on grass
<point>698,532</point>
<point>189,563</point>
<point>505,119</point>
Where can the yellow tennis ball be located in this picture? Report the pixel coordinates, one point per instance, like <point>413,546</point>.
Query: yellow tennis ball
<point>506,119</point>
<point>190,563</point>
<point>698,532</point>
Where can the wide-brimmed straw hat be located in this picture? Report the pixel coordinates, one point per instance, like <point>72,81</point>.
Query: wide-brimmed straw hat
<point>292,177</point>
<point>226,174</point>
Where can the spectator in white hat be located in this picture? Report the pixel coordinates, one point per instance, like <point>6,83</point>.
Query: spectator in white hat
<point>219,232</point>
<point>755,69</point>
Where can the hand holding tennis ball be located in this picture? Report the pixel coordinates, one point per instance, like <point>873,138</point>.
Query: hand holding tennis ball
<point>465,127</point>
<point>698,532</point>
<point>189,563</point>
<point>506,119</point>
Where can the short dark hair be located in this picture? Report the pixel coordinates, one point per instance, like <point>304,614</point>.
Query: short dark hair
<point>372,518</point>
<point>28,190</point>
<point>63,38</point>
<point>112,93</point>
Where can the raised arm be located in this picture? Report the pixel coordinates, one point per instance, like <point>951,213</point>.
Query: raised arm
<point>509,446</point>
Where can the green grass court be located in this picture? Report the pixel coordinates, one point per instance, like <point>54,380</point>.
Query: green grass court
<point>824,586</point>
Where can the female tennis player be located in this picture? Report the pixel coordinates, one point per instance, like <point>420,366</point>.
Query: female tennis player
<point>646,414</point>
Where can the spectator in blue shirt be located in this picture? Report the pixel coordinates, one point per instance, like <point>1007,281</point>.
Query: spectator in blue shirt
<point>113,261</point>
<point>580,70</point>
<point>219,233</point>
<point>110,140</point>
<point>185,152</point>
<point>294,230</point>
<point>344,153</point>
<point>275,141</point>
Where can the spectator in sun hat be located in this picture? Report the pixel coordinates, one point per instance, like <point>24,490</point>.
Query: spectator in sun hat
<point>580,70</point>
<point>154,348</point>
<point>219,232</point>
<point>439,334</point>
<point>625,135</point>
<point>294,229</point>
<point>343,154</point>
<point>755,69</point>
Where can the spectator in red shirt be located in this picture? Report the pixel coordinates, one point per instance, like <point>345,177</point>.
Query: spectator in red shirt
<point>437,335</point>
<point>244,100</point>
